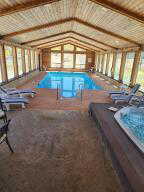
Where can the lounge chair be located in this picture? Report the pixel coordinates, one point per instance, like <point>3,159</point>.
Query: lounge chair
<point>7,101</point>
<point>20,92</point>
<point>123,92</point>
<point>122,98</point>
<point>3,135</point>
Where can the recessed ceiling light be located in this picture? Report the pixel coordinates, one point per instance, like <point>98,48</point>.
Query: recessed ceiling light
<point>117,41</point>
<point>104,9</point>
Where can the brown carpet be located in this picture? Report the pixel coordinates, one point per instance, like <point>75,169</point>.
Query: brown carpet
<point>55,151</point>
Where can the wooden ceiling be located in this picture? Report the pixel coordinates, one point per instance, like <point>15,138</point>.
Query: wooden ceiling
<point>101,24</point>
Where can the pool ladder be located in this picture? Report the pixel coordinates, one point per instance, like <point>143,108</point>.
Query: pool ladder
<point>78,95</point>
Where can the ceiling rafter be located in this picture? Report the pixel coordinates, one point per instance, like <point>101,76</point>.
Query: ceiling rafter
<point>105,31</point>
<point>63,33</point>
<point>68,41</point>
<point>43,38</point>
<point>58,22</point>
<point>24,6</point>
<point>38,27</point>
<point>100,49</point>
<point>97,41</point>
<point>121,10</point>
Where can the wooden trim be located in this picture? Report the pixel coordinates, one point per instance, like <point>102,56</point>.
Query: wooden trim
<point>135,68</point>
<point>113,64</point>
<point>122,67</point>
<point>107,63</point>
<point>4,67</point>
<point>15,62</point>
<point>47,25</point>
<point>24,6</point>
<point>118,9</point>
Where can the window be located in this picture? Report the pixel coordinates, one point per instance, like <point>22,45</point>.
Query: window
<point>19,61</point>
<point>140,76</point>
<point>80,61</point>
<point>117,66</point>
<point>68,47</point>
<point>128,67</point>
<point>0,63</point>
<point>55,59</point>
<point>26,61</point>
<point>104,64</point>
<point>110,64</point>
<point>9,62</point>
<point>68,60</point>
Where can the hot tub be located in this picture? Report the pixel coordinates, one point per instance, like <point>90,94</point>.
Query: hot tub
<point>131,120</point>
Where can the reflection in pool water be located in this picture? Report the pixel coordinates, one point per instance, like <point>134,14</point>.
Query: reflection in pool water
<point>69,82</point>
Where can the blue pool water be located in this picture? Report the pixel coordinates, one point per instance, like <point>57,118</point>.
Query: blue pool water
<point>69,82</point>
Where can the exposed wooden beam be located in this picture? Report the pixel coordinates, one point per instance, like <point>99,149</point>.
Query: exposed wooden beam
<point>38,27</point>
<point>47,37</point>
<point>71,38</point>
<point>88,44</point>
<point>47,25</point>
<point>63,33</point>
<point>105,31</point>
<point>97,41</point>
<point>24,6</point>
<point>67,41</point>
<point>121,10</point>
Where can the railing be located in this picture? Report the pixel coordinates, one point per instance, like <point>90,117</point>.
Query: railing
<point>79,92</point>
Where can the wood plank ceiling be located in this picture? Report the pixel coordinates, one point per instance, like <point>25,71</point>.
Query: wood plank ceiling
<point>98,24</point>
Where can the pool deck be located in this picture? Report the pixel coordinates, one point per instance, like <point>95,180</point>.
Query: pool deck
<point>47,98</point>
<point>57,146</point>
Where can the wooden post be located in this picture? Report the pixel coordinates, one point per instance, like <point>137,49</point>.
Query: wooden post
<point>23,61</point>
<point>135,67</point>
<point>102,62</point>
<point>33,55</point>
<point>62,56</point>
<point>113,65</point>
<point>74,58</point>
<point>122,67</point>
<point>15,62</point>
<point>107,63</point>
<point>96,61</point>
<point>3,64</point>
<point>98,64</point>
<point>29,60</point>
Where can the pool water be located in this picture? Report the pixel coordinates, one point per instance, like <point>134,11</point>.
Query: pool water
<point>134,119</point>
<point>131,120</point>
<point>68,82</point>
